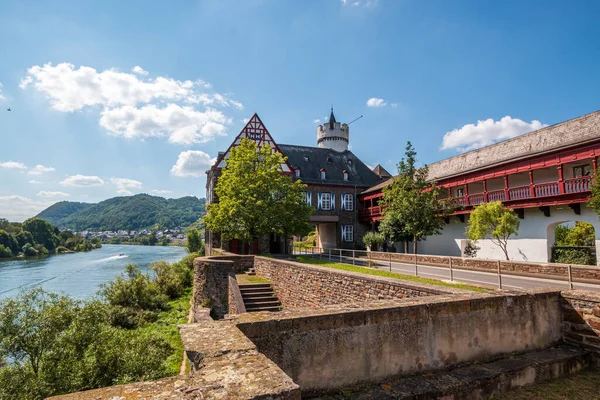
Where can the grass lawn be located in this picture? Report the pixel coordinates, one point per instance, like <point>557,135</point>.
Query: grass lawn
<point>386,274</point>
<point>166,327</point>
<point>582,386</point>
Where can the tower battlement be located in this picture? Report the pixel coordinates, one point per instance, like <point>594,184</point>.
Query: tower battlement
<point>333,135</point>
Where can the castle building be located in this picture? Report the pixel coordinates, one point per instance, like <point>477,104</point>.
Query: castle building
<point>334,176</point>
<point>544,176</point>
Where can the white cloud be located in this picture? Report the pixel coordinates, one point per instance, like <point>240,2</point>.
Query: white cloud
<point>183,125</point>
<point>376,102</point>
<point>360,3</point>
<point>44,193</point>
<point>158,191</point>
<point>244,120</point>
<point>1,96</point>
<point>19,208</point>
<point>40,169</point>
<point>486,132</point>
<point>34,182</point>
<point>139,70</point>
<point>82,181</point>
<point>12,165</point>
<point>192,163</point>
<point>123,185</point>
<point>317,121</point>
<point>70,89</point>
<point>394,105</point>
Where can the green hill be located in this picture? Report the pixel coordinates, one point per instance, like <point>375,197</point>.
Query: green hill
<point>141,211</point>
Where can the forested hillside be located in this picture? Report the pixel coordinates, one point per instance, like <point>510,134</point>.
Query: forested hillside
<point>141,211</point>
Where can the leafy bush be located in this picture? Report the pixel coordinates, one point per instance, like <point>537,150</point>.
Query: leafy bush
<point>59,346</point>
<point>171,278</point>
<point>5,252</point>
<point>134,290</point>
<point>373,240</point>
<point>29,250</point>
<point>573,255</point>
<point>194,242</point>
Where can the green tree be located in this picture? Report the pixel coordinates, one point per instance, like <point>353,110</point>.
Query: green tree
<point>373,240</point>
<point>581,234</point>
<point>493,221</point>
<point>9,242</point>
<point>43,233</point>
<point>412,209</point>
<point>194,242</point>
<point>256,198</point>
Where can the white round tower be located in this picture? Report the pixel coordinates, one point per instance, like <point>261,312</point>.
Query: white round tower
<point>333,135</point>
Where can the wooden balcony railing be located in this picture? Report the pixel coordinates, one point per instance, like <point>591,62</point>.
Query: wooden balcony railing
<point>476,199</point>
<point>578,185</point>
<point>537,190</point>
<point>519,193</point>
<point>546,189</point>
<point>497,195</point>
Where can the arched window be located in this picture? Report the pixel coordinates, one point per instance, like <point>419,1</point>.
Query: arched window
<point>323,174</point>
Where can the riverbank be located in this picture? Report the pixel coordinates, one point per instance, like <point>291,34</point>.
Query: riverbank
<point>79,274</point>
<point>126,334</point>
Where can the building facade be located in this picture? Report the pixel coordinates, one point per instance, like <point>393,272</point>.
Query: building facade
<point>544,176</point>
<point>334,176</point>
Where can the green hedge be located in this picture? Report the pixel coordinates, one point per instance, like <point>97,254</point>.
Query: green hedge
<point>574,255</point>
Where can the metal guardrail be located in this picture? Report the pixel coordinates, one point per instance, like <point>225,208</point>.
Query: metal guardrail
<point>365,258</point>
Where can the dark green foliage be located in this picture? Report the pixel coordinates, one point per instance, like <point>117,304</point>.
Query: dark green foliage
<point>59,345</point>
<point>581,234</point>
<point>29,250</point>
<point>43,233</point>
<point>5,252</point>
<point>171,278</point>
<point>574,255</point>
<point>128,213</point>
<point>194,243</point>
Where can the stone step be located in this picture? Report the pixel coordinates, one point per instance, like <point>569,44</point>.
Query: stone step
<point>477,381</point>
<point>269,308</point>
<point>257,294</point>
<point>273,303</point>
<point>261,286</point>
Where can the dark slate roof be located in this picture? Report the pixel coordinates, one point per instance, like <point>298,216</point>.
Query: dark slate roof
<point>381,172</point>
<point>334,163</point>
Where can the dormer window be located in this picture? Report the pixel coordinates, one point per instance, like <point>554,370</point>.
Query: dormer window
<point>305,158</point>
<point>323,174</point>
<point>297,172</point>
<point>329,160</point>
<point>345,175</point>
<point>350,161</point>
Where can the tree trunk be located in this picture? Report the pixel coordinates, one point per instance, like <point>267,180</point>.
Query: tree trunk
<point>406,247</point>
<point>415,245</point>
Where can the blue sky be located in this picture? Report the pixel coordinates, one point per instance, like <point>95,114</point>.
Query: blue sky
<point>122,97</point>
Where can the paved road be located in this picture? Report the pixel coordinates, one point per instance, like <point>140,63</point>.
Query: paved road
<point>466,276</point>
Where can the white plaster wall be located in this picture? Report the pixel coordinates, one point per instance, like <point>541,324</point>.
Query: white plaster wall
<point>533,243</point>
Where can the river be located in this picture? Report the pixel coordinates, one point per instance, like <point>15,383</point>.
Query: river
<point>79,274</point>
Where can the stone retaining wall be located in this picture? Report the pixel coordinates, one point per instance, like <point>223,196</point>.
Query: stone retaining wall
<point>236,303</point>
<point>225,364</point>
<point>581,318</point>
<point>587,272</point>
<point>338,346</point>
<point>303,285</point>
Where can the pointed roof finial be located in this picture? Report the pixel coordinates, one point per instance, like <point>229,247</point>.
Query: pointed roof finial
<point>332,120</point>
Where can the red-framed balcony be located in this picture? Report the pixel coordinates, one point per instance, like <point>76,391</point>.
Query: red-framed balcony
<point>547,193</point>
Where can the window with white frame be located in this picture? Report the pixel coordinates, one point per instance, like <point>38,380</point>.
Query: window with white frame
<point>345,175</point>
<point>348,202</point>
<point>297,172</point>
<point>323,174</point>
<point>348,233</point>
<point>326,201</point>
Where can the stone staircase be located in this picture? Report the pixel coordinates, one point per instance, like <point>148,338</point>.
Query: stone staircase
<point>260,297</point>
